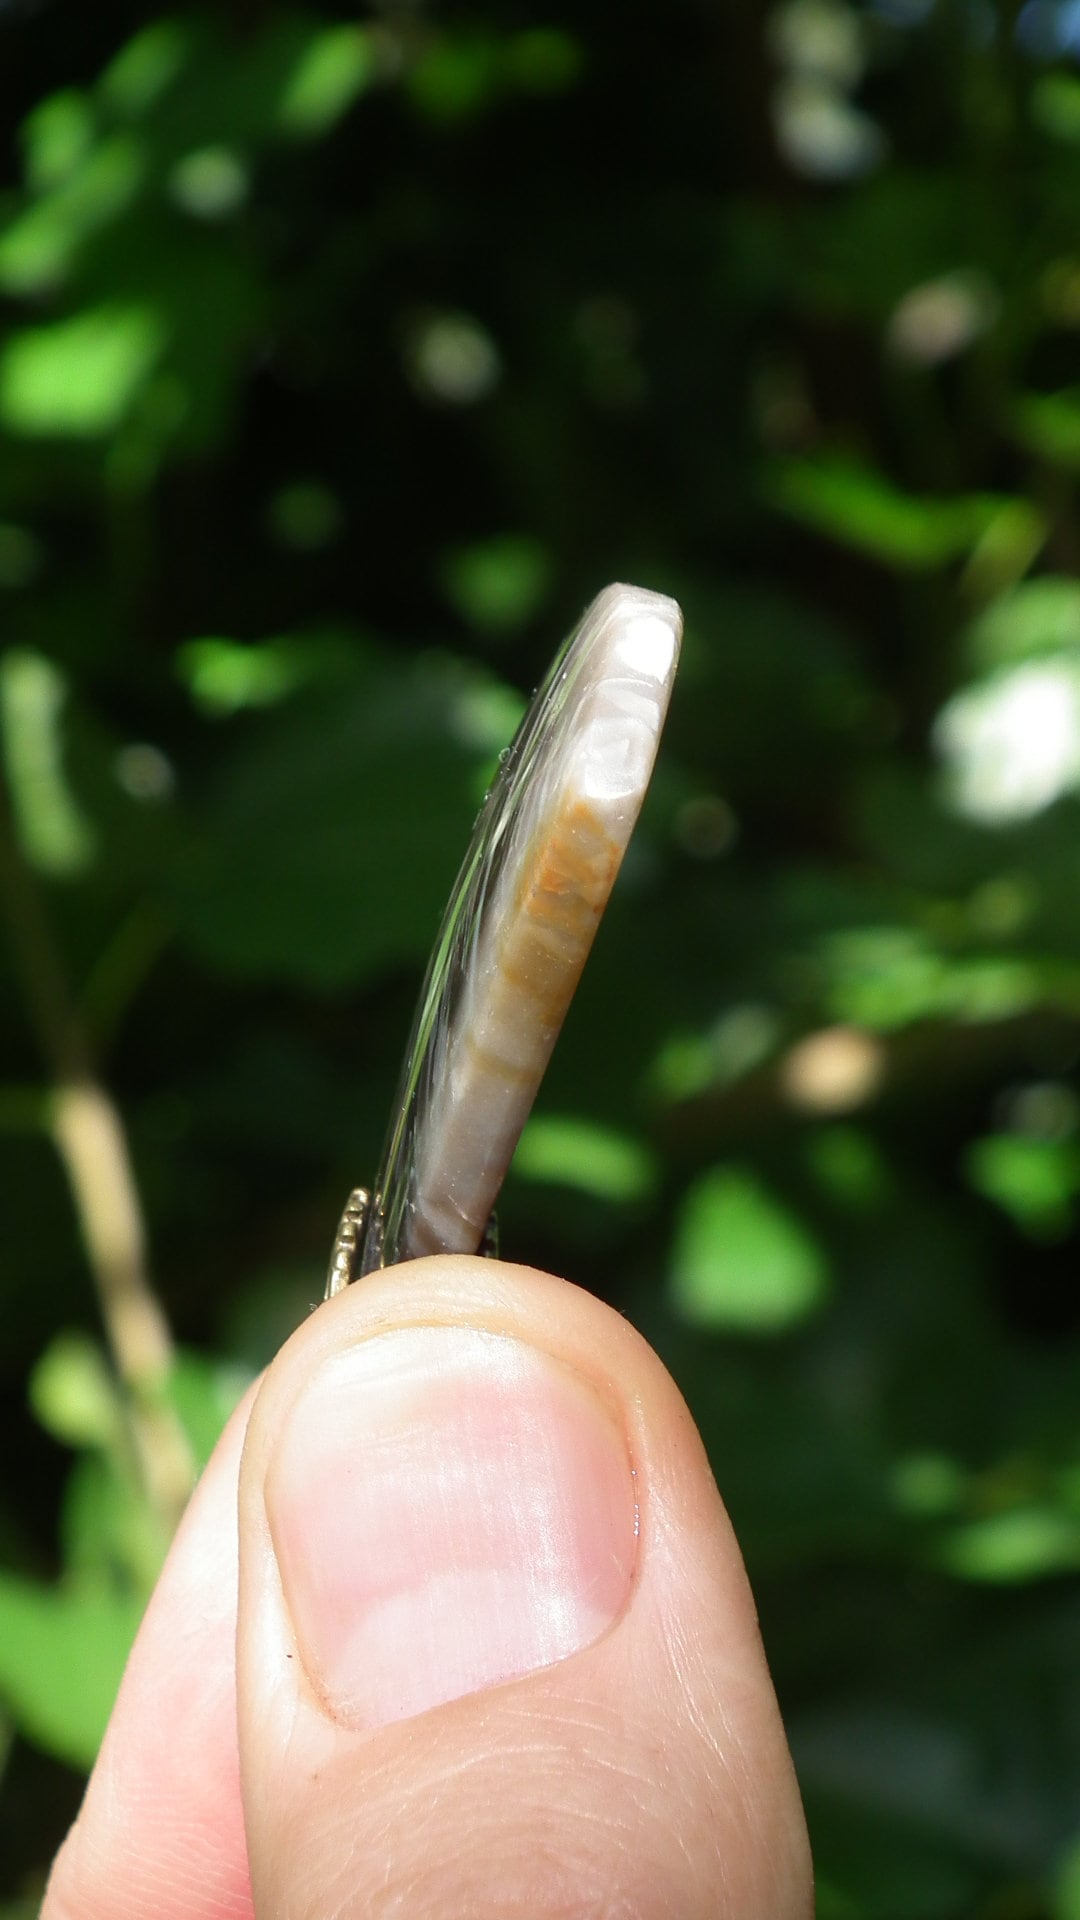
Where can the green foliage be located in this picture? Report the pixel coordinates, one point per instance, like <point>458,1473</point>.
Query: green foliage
<point>740,1261</point>
<point>342,358</point>
<point>63,1646</point>
<point>61,1661</point>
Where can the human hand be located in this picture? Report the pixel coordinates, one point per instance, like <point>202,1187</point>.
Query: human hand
<point>482,1644</point>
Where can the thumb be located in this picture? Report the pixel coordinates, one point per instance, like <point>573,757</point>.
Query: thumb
<point>496,1650</point>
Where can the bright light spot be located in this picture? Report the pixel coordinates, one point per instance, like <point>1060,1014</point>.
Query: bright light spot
<point>819,47</point>
<point>211,183</point>
<point>821,135</point>
<point>833,1071</point>
<point>1011,746</point>
<point>646,646</point>
<point>936,321</point>
<point>144,772</point>
<point>452,358</point>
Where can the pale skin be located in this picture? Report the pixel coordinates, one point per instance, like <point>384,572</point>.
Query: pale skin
<point>265,1760</point>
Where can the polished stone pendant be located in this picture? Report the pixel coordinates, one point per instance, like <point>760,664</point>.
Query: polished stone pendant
<point>540,866</point>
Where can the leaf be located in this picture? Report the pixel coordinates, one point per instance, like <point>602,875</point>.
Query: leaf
<point>148,64</point>
<point>62,1656</point>
<point>1023,1544</point>
<point>741,1260</point>
<point>1034,1181</point>
<point>79,377</point>
<point>332,838</point>
<point>497,584</point>
<point>42,244</point>
<point>1038,618</point>
<point>73,1394</point>
<point>566,1150</point>
<point>336,65</point>
<point>54,833</point>
<point>912,533</point>
<point>203,1391</point>
<point>1048,424</point>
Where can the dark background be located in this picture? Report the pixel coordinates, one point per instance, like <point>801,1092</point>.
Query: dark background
<point>343,357</point>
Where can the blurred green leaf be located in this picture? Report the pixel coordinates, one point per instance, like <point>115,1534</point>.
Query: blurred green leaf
<point>889,977</point>
<point>228,676</point>
<point>40,247</point>
<point>563,1150</point>
<point>460,74</point>
<point>1034,1181</point>
<point>498,584</point>
<point>1027,1543</point>
<point>80,376</point>
<point>741,1261</point>
<point>110,1539</point>
<point>204,1392</point>
<point>61,1658</point>
<point>1055,105</point>
<point>1048,424</point>
<point>1065,1899</point>
<point>74,1396</point>
<point>317,821</point>
<point>912,533</point>
<point>56,138</point>
<point>54,832</point>
<point>850,1166</point>
<point>1039,617</point>
<point>335,66</point>
<point>147,65</point>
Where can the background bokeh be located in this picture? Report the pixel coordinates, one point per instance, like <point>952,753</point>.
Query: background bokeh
<point>343,356</point>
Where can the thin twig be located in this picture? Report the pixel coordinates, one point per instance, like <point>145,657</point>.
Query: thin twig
<point>93,1148</point>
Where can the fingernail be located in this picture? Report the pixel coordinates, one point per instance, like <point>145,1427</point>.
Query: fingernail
<point>449,1509</point>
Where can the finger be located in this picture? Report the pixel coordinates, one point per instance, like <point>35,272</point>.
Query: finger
<point>497,1654</point>
<point>160,1831</point>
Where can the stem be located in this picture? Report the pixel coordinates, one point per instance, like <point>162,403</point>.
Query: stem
<point>90,1139</point>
